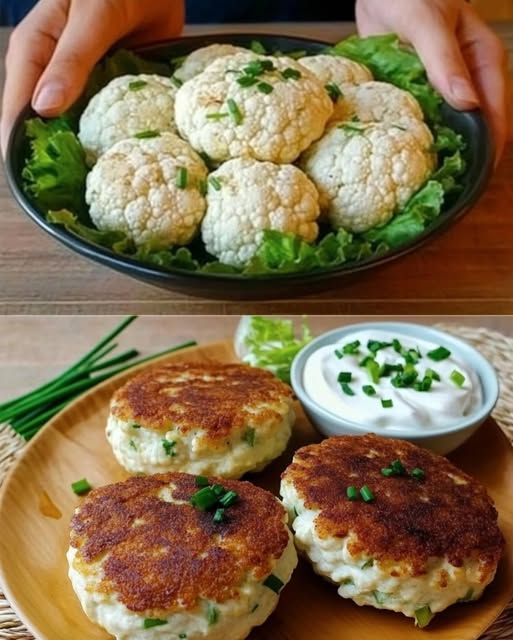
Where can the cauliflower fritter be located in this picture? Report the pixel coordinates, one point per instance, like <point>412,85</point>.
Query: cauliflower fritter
<point>246,197</point>
<point>151,188</point>
<point>198,60</point>
<point>127,105</point>
<point>263,107</point>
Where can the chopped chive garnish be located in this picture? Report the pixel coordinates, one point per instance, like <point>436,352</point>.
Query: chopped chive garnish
<point>387,369</point>
<point>431,373</point>
<point>467,596</point>
<point>424,384</point>
<point>295,512</point>
<point>345,376</point>
<point>387,404</point>
<point>368,563</point>
<point>333,90</point>
<point>176,81</point>
<point>265,87</point>
<point>274,583</point>
<point>351,347</point>
<point>398,468</point>
<point>405,378</point>
<point>418,474</point>
<point>234,111</point>
<point>291,74</point>
<point>387,472</point>
<point>147,134</point>
<point>347,581</point>
<point>168,447</point>
<point>212,614</point>
<point>249,436</point>
<point>81,486</point>
<point>351,128</point>
<point>355,118</point>
<point>204,499</point>
<point>219,115</point>
<point>398,347</point>
<point>182,635</point>
<point>363,362</point>
<point>218,489</point>
<point>423,616</point>
<point>457,377</point>
<point>203,187</point>
<point>229,498</point>
<point>181,178</point>
<point>441,353</point>
<point>153,622</point>
<point>254,607</point>
<point>375,345</point>
<point>137,85</point>
<point>257,47</point>
<point>379,596</point>
<point>374,370</point>
<point>247,81</point>
<point>215,182</point>
<point>136,426</point>
<point>352,493</point>
<point>347,389</point>
<point>133,445</point>
<point>366,494</point>
<point>201,481</point>
<point>412,356</point>
<point>369,390</point>
<point>339,354</point>
<point>219,515</point>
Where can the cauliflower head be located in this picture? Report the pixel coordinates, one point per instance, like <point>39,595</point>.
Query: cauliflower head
<point>151,188</point>
<point>246,197</point>
<point>377,102</point>
<point>365,172</point>
<point>263,107</point>
<point>127,105</point>
<point>198,60</point>
<point>336,69</point>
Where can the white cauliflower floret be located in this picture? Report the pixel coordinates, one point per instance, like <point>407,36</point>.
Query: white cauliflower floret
<point>365,172</point>
<point>151,188</point>
<point>198,60</point>
<point>245,197</point>
<point>336,69</point>
<point>377,102</point>
<point>127,105</point>
<point>263,107</point>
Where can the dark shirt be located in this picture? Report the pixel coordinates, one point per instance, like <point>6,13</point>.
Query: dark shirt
<point>210,11</point>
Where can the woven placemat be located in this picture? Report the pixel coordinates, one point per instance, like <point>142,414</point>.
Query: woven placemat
<point>497,348</point>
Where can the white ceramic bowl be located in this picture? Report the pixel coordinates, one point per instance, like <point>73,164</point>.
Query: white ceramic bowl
<point>442,439</point>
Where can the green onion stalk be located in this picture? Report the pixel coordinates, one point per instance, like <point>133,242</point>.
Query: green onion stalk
<point>27,413</point>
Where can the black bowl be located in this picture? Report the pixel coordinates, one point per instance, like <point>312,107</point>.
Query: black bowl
<point>478,156</point>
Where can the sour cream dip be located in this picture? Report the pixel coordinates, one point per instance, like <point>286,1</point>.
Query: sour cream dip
<point>391,381</point>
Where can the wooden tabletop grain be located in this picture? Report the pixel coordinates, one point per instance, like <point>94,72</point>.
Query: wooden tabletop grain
<point>468,270</point>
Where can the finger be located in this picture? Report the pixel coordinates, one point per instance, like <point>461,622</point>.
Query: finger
<point>487,60</point>
<point>439,49</point>
<point>30,48</point>
<point>76,54</point>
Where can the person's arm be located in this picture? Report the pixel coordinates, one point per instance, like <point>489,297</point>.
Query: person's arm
<point>52,51</point>
<point>464,58</point>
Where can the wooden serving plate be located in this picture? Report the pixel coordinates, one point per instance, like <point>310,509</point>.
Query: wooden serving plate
<point>34,540</point>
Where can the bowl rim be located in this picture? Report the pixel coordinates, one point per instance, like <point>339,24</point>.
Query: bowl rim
<point>156,273</point>
<point>485,372</point>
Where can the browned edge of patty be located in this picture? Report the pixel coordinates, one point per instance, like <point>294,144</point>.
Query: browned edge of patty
<point>155,399</point>
<point>409,520</point>
<point>164,556</point>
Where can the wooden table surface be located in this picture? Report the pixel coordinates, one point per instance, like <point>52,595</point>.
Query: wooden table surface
<point>35,348</point>
<point>467,270</point>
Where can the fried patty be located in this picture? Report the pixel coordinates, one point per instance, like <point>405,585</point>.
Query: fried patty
<point>208,419</point>
<point>448,513</point>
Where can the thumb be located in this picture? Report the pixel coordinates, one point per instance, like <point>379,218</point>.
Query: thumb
<point>440,53</point>
<point>74,57</point>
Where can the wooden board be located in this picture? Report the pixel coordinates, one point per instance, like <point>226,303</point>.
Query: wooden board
<point>33,567</point>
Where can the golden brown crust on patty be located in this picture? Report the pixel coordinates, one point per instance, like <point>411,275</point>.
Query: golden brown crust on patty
<point>446,514</point>
<point>218,398</point>
<point>163,556</point>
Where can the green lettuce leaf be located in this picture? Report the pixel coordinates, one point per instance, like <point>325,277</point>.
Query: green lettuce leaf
<point>391,61</point>
<point>55,172</point>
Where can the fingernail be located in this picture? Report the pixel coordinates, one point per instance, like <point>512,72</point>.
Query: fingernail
<point>463,91</point>
<point>50,97</point>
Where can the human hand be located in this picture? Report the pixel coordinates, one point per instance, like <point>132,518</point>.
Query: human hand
<point>52,52</point>
<point>464,59</point>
